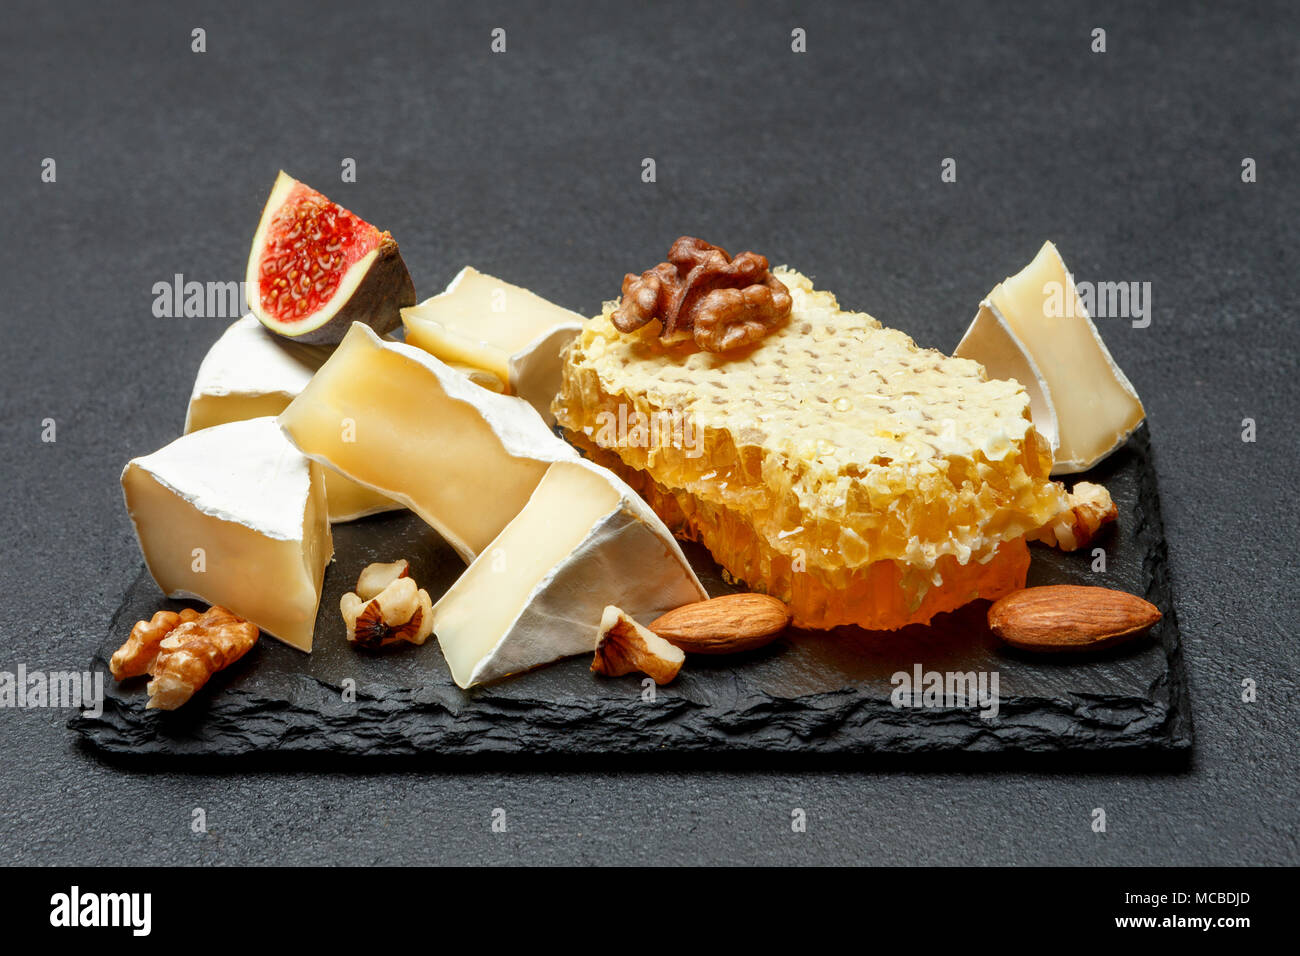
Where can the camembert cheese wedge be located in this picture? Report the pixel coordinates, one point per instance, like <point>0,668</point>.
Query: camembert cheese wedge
<point>503,330</point>
<point>538,591</point>
<point>1033,328</point>
<point>235,516</point>
<point>398,420</point>
<point>250,372</point>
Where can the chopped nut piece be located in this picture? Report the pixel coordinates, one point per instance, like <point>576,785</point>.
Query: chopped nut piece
<point>398,601</point>
<point>1091,507</point>
<point>377,576</point>
<point>400,612</point>
<point>701,292</point>
<point>422,619</point>
<point>136,656</point>
<point>351,606</point>
<point>624,646</point>
<point>194,651</point>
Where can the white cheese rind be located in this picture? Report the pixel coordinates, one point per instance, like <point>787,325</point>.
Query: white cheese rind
<point>624,555</point>
<point>400,421</point>
<point>234,515</point>
<point>503,329</point>
<point>990,341</point>
<point>251,372</point>
<point>536,369</point>
<point>248,360</point>
<point>241,471</point>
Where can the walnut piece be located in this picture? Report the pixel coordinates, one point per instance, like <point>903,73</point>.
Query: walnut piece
<point>624,646</point>
<point>136,656</point>
<point>1090,509</point>
<point>194,651</point>
<point>703,293</point>
<point>400,612</point>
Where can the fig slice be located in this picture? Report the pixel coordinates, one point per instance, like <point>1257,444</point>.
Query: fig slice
<point>315,268</point>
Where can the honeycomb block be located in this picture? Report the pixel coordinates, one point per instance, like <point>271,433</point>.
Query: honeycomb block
<point>834,464</point>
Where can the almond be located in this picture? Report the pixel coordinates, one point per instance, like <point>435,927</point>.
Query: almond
<point>724,625</point>
<point>1065,617</point>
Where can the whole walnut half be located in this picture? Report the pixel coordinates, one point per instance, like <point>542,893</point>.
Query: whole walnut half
<point>701,292</point>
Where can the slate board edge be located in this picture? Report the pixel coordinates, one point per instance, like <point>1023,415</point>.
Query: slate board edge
<point>1160,592</point>
<point>395,721</point>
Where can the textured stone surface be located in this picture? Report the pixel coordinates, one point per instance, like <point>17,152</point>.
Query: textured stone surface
<point>808,693</point>
<point>1129,160</point>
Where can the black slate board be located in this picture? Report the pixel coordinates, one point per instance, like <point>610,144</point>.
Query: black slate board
<point>818,692</point>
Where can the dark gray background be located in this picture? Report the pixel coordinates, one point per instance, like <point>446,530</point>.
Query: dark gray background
<point>527,165</point>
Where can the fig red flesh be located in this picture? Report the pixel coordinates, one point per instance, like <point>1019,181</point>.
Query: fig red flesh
<point>315,268</point>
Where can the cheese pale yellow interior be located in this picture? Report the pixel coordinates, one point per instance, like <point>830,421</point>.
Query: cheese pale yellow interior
<point>402,423</point>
